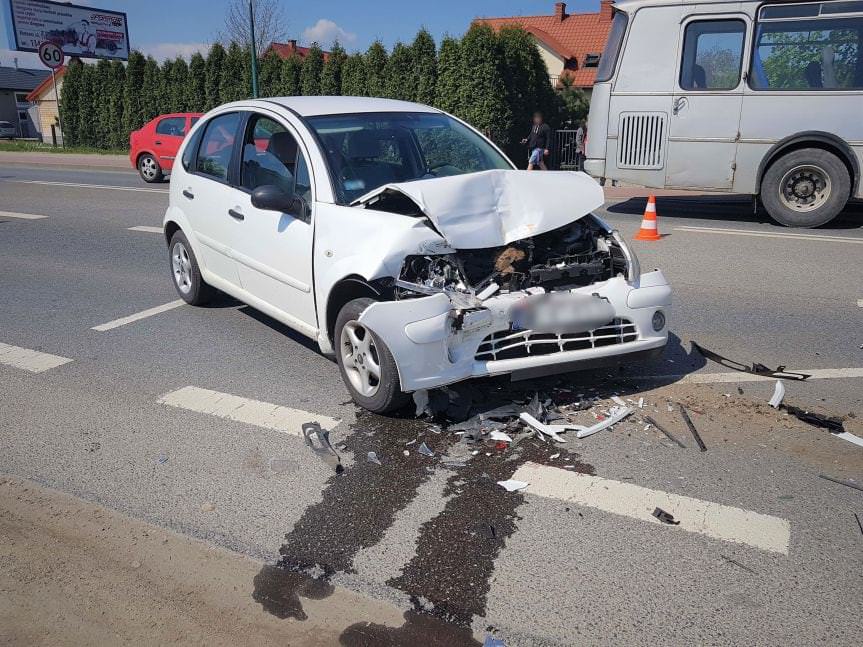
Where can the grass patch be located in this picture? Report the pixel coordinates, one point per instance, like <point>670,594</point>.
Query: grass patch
<point>20,145</point>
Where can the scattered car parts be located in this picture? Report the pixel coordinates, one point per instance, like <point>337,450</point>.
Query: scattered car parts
<point>692,428</point>
<point>755,369</point>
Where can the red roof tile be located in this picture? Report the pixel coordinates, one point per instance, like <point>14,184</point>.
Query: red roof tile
<point>284,50</point>
<point>39,89</point>
<point>572,36</point>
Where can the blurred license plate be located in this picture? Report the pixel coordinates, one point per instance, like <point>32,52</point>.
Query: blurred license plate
<point>561,312</point>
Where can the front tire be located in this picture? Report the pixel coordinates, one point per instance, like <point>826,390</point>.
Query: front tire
<point>186,273</point>
<point>806,188</point>
<point>366,364</point>
<point>149,169</point>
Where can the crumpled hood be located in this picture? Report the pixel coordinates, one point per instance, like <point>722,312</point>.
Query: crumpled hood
<point>495,208</point>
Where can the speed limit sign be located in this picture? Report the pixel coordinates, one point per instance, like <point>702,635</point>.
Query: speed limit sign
<point>51,54</point>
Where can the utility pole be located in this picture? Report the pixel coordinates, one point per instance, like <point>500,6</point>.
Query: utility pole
<point>254,53</point>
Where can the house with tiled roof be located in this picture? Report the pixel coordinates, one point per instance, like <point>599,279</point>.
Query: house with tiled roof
<point>44,97</point>
<point>286,50</point>
<point>15,83</point>
<point>570,43</point>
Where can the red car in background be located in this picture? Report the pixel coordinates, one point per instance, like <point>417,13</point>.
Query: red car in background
<point>153,147</point>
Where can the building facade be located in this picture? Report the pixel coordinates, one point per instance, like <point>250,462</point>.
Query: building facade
<point>15,84</point>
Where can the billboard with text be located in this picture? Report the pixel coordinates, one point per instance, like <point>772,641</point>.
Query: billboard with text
<point>80,31</point>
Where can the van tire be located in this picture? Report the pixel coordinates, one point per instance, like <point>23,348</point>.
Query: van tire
<point>805,188</point>
<point>185,272</point>
<point>388,396</point>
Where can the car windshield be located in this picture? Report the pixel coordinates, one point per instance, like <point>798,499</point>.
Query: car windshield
<point>366,151</point>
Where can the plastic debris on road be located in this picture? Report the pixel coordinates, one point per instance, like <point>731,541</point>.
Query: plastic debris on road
<point>665,517</point>
<point>755,369</point>
<point>511,485</point>
<point>372,457</point>
<point>615,415</point>
<point>552,431</point>
<point>424,450</point>
<point>778,394</point>
<point>692,428</point>
<point>499,435</point>
<point>493,642</point>
<point>319,441</point>
<point>663,430</point>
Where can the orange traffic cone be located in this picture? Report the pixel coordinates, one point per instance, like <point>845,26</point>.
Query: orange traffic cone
<point>649,229</point>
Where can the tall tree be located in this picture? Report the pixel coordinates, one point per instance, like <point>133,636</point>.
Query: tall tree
<point>449,73</point>
<point>331,76</point>
<point>213,82</point>
<point>544,95</point>
<point>289,79</point>
<point>313,67</point>
<point>151,89</point>
<point>400,80</point>
<point>517,47</point>
<point>425,66</point>
<point>354,76</point>
<point>133,105</point>
<point>101,116</point>
<point>376,63</point>
<point>270,24</point>
<point>482,103</point>
<point>117,138</point>
<point>196,88</point>
<point>70,102</point>
<point>270,75</point>
<point>232,86</point>
<point>166,84</point>
<point>179,82</point>
<point>88,104</point>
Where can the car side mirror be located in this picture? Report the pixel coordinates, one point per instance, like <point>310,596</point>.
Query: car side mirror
<point>273,198</point>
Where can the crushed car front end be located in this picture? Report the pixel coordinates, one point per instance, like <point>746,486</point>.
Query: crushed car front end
<point>568,298</point>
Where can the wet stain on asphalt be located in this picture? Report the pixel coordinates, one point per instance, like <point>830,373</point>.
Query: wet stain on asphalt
<point>449,577</point>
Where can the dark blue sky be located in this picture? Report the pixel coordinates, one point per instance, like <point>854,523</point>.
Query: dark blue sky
<point>171,27</point>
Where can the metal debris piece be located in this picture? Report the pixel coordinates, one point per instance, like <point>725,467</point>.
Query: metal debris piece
<point>511,485</point>
<point>372,457</point>
<point>424,450</point>
<point>778,394</point>
<point>421,400</point>
<point>755,369</point>
<point>692,428</point>
<point>319,441</point>
<point>834,425</point>
<point>551,431</point>
<point>738,564</point>
<point>615,415</point>
<point>667,433</point>
<point>499,435</point>
<point>665,517</point>
<point>851,484</point>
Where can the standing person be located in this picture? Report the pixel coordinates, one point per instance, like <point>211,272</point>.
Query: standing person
<point>580,143</point>
<point>537,143</point>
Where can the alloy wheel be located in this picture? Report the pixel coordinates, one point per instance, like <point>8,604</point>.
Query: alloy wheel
<point>360,358</point>
<point>149,168</point>
<point>181,265</point>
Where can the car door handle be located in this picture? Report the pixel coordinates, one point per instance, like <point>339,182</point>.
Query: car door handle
<point>236,215</point>
<point>188,194</point>
<point>158,143</point>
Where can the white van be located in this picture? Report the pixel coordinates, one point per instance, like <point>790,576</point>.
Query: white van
<point>752,97</point>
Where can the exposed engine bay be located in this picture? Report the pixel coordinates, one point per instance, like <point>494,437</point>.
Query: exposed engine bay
<point>576,255</point>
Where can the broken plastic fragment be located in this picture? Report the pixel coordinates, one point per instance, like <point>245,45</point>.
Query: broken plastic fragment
<point>640,403</point>
<point>692,428</point>
<point>488,291</point>
<point>499,435</point>
<point>778,394</point>
<point>833,425</point>
<point>490,641</point>
<point>616,414</point>
<point>551,431</point>
<point>372,457</point>
<point>665,517</point>
<point>755,369</point>
<point>421,400</point>
<point>319,441</point>
<point>553,456</point>
<point>511,485</point>
<point>618,401</point>
<point>424,450</point>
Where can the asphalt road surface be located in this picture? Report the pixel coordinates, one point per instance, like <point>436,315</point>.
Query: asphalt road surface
<point>108,400</point>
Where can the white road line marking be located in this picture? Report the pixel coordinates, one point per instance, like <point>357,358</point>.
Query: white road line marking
<point>92,186</point>
<point>22,216</point>
<point>860,303</point>
<point>29,360</point>
<point>149,312</point>
<point>149,230</point>
<point>722,378</point>
<point>703,517</point>
<point>762,234</point>
<point>252,412</point>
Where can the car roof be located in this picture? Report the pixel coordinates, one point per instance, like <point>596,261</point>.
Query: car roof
<point>312,106</point>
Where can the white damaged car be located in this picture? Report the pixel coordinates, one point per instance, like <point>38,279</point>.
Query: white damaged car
<point>406,244</point>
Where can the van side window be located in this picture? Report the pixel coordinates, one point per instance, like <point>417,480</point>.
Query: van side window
<point>217,146</point>
<point>712,54</point>
<point>808,54</point>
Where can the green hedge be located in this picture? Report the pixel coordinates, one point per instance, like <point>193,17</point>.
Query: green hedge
<point>492,80</point>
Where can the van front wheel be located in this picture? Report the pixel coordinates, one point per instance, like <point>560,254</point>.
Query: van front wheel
<point>805,188</point>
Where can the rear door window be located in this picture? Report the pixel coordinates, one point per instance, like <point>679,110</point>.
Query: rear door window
<point>712,54</point>
<point>217,145</point>
<point>174,126</point>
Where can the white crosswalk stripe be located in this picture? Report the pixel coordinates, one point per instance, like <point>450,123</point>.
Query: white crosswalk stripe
<point>146,229</point>
<point>30,360</point>
<point>239,409</point>
<point>21,216</point>
<point>703,517</point>
<point>122,321</point>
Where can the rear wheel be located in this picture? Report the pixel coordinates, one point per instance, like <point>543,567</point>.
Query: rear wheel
<point>366,364</point>
<point>149,169</point>
<point>806,188</point>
